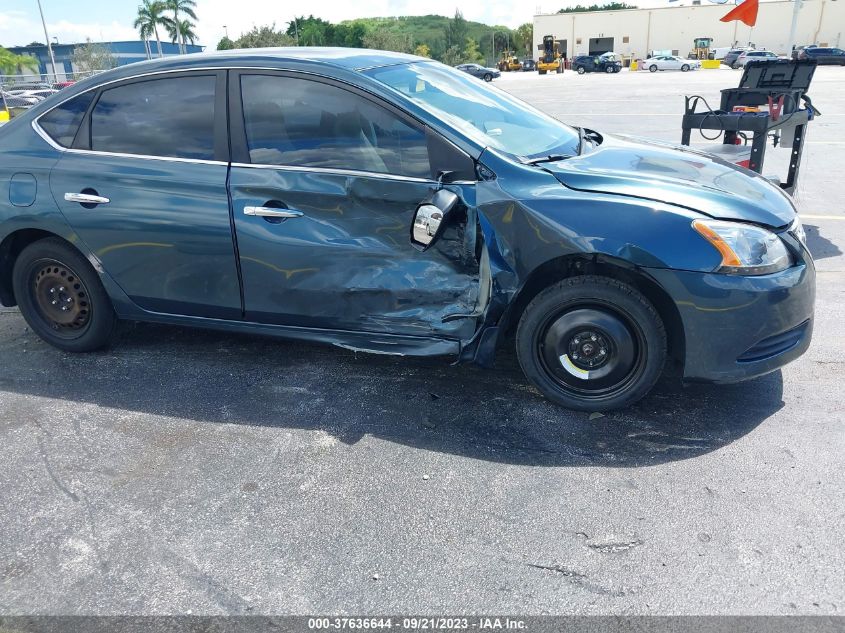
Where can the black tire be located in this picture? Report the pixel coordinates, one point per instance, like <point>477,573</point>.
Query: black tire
<point>652,68</point>
<point>735,66</point>
<point>609,69</point>
<point>61,297</point>
<point>581,70</point>
<point>684,68</point>
<point>488,77</point>
<point>609,329</point>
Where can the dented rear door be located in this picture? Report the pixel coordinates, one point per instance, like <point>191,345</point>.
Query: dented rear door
<point>324,184</point>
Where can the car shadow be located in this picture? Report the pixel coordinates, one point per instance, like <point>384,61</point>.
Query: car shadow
<point>820,247</point>
<point>428,404</point>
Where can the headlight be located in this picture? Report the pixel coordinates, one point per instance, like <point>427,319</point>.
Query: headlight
<point>746,249</point>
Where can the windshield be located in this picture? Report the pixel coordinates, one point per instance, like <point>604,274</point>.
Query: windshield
<point>487,115</point>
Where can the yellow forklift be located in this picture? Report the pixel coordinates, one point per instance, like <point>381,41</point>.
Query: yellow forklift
<point>701,48</point>
<point>509,62</point>
<point>551,58</point>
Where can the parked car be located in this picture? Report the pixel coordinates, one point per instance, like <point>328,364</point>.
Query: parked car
<point>606,63</point>
<point>824,55</point>
<point>754,56</point>
<point>387,203</point>
<point>529,65</point>
<point>487,74</point>
<point>17,101</point>
<point>732,55</point>
<point>671,62</point>
<point>36,94</point>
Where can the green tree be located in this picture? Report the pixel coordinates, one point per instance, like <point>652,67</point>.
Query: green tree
<point>457,30</point>
<point>610,6</point>
<point>225,44</point>
<point>264,37</point>
<point>384,40</point>
<point>182,31</point>
<point>471,52</point>
<point>150,17</point>
<point>90,57</point>
<point>11,63</point>
<point>177,26</point>
<point>452,56</point>
<point>422,50</point>
<point>524,37</point>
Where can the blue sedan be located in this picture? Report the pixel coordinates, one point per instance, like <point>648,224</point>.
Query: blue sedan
<point>387,203</point>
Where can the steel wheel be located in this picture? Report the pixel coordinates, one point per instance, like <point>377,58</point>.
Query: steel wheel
<point>591,343</point>
<point>61,298</point>
<point>593,350</point>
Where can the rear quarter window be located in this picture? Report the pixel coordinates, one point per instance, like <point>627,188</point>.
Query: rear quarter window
<point>62,122</point>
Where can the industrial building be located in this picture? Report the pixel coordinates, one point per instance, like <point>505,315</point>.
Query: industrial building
<point>125,52</point>
<point>634,33</point>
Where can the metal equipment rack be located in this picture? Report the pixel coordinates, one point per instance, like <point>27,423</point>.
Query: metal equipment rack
<point>783,83</point>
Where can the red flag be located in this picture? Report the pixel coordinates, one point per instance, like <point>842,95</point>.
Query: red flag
<point>745,12</point>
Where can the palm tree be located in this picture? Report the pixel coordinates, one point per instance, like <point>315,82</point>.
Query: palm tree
<point>187,8</point>
<point>145,33</point>
<point>183,31</point>
<point>9,62</point>
<point>150,17</point>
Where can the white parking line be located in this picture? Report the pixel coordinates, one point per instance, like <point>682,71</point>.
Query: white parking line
<point>822,217</point>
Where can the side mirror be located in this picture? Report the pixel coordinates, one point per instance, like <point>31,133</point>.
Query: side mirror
<point>429,218</point>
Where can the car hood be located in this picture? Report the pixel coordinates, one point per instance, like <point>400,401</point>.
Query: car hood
<point>677,175</point>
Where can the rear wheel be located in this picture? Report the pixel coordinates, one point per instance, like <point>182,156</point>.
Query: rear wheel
<point>581,70</point>
<point>591,343</point>
<point>652,68</point>
<point>61,297</point>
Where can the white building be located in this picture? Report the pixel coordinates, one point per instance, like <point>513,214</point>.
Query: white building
<point>636,32</point>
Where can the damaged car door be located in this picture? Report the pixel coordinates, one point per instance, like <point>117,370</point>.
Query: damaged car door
<point>324,183</point>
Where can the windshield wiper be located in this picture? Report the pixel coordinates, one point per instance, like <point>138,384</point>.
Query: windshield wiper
<point>547,159</point>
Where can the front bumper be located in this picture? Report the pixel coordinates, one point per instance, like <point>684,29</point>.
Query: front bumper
<point>738,327</point>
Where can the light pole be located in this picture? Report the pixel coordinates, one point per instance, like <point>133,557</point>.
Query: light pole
<point>793,27</point>
<point>47,37</point>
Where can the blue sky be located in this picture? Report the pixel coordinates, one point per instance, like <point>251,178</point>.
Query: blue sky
<point>107,20</point>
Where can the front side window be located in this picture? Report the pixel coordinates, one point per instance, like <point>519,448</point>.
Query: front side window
<point>305,123</point>
<point>62,122</point>
<point>171,117</point>
<point>489,116</point>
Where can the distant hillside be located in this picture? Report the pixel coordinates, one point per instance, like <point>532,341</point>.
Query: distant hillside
<point>450,40</point>
<point>433,31</point>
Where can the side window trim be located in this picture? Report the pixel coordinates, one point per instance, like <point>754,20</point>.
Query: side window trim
<point>238,143</point>
<point>82,140</point>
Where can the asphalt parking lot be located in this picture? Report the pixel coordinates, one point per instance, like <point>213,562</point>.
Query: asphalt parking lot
<point>192,471</point>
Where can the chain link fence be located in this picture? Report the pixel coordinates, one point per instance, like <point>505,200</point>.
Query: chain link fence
<point>20,92</point>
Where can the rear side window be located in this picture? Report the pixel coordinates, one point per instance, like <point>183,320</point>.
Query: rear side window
<point>171,117</point>
<point>62,122</point>
<point>298,122</point>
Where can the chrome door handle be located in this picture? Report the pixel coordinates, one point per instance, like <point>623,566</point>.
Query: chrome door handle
<point>86,198</point>
<point>269,212</point>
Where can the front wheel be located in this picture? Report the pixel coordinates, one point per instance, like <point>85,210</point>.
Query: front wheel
<point>61,297</point>
<point>488,77</point>
<point>581,70</point>
<point>652,68</point>
<point>591,343</point>
<point>609,70</point>
<point>684,68</point>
